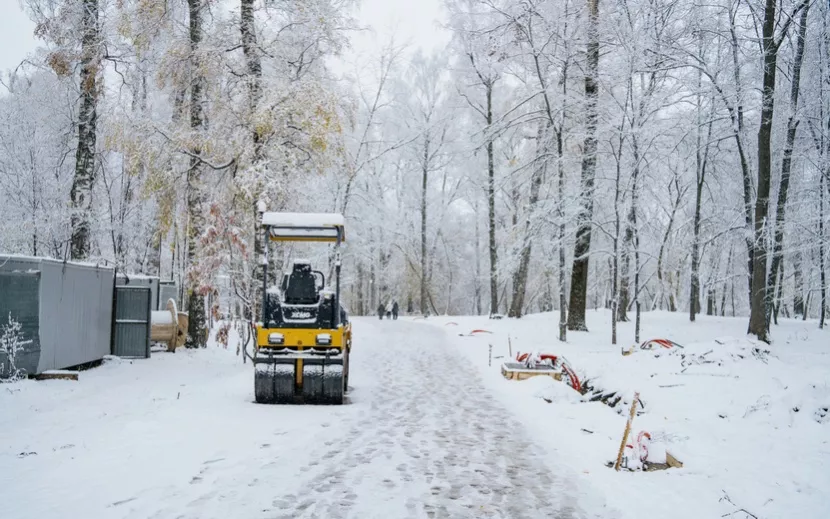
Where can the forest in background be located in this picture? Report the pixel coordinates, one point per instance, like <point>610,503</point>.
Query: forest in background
<point>557,155</point>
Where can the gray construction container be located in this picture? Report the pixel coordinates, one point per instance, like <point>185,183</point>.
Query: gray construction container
<point>135,280</point>
<point>65,309</point>
<point>168,290</point>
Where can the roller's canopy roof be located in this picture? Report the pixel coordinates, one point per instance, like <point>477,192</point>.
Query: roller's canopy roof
<point>305,226</point>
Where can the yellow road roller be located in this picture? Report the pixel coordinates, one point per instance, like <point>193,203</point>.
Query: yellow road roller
<point>304,338</point>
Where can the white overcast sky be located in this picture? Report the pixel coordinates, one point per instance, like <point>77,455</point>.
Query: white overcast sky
<point>16,35</point>
<point>416,22</point>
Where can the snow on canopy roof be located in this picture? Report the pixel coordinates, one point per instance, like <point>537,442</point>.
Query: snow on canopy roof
<point>303,219</point>
<point>302,261</point>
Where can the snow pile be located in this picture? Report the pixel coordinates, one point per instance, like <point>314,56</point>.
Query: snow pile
<point>749,421</point>
<point>805,402</point>
<point>550,390</point>
<point>726,350</point>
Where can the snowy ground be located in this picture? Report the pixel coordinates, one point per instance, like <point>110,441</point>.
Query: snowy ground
<point>431,431</point>
<point>179,436</point>
<point>754,430</point>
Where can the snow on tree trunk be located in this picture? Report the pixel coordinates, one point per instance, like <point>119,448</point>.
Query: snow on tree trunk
<point>82,183</point>
<point>582,248</point>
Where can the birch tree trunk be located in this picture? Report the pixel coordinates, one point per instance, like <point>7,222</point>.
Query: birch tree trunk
<point>821,263</point>
<point>196,331</point>
<point>82,182</point>
<point>582,248</point>
<point>520,280</point>
<point>770,45</point>
<point>424,180</point>
<point>560,187</point>
<point>738,123</point>
<point>563,301</point>
<point>477,281</point>
<point>670,302</point>
<point>250,49</point>
<point>628,239</point>
<point>700,181</point>
<point>757,317</point>
<point>798,286</point>
<point>615,261</point>
<point>491,208</point>
<point>702,161</point>
<point>786,163</point>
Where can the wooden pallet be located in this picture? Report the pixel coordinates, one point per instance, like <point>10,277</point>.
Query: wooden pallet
<point>517,371</point>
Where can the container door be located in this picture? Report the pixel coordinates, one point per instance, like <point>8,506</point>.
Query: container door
<point>132,322</point>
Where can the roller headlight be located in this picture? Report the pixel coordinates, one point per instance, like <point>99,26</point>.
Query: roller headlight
<point>323,339</point>
<point>276,338</point>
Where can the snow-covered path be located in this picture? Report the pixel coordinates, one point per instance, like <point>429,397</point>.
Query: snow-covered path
<point>179,436</point>
<point>430,442</point>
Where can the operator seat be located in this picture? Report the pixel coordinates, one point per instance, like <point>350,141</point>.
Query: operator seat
<point>302,286</point>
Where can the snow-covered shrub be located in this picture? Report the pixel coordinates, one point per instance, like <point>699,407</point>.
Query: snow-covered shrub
<point>223,334</point>
<point>11,344</point>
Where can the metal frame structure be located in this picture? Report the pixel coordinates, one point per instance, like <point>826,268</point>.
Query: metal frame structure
<point>317,375</point>
<point>288,227</point>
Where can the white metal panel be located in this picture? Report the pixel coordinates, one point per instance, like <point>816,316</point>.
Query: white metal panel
<point>303,220</point>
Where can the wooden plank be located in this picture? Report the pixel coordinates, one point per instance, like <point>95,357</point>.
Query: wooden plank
<point>515,374</point>
<point>57,374</point>
<point>673,462</point>
<point>182,319</point>
<point>627,430</point>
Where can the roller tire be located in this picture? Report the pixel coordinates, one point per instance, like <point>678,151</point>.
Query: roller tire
<point>333,384</point>
<point>284,385</point>
<point>264,387</point>
<point>346,367</point>
<point>312,384</point>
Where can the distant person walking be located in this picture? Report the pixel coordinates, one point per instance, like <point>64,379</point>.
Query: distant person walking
<point>381,311</point>
<point>389,310</point>
<point>395,309</point>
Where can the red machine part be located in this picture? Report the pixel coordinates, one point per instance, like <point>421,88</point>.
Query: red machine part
<point>664,343</point>
<point>642,446</point>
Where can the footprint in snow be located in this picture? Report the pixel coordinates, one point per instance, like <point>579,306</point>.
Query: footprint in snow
<point>123,501</point>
